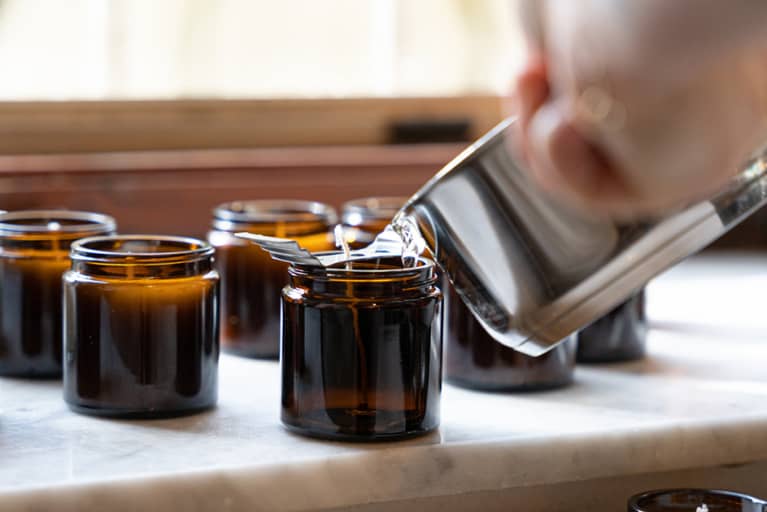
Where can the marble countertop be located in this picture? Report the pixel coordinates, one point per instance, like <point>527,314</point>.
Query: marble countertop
<point>699,400</point>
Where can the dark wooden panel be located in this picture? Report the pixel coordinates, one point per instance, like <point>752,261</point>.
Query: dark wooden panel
<point>174,192</point>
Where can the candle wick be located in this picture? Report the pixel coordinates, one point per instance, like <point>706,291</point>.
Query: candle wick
<point>341,242</point>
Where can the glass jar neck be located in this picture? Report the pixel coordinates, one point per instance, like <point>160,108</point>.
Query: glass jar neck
<point>281,218</point>
<point>364,281</point>
<point>49,231</point>
<point>141,257</point>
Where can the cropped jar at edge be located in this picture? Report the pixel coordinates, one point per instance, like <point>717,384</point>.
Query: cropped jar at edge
<point>251,281</point>
<point>361,351</point>
<point>473,359</point>
<point>34,254</point>
<point>141,326</point>
<point>694,500</point>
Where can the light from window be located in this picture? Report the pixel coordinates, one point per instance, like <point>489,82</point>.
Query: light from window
<point>141,49</point>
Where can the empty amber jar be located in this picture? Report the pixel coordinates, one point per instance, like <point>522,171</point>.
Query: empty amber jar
<point>620,335</point>
<point>361,351</point>
<point>34,254</point>
<point>141,326</point>
<point>473,359</point>
<point>251,281</point>
<point>695,500</point>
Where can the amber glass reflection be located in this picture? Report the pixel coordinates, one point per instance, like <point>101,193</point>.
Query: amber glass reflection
<point>141,326</point>
<point>473,359</point>
<point>361,351</point>
<point>34,254</point>
<point>371,214</point>
<point>620,335</point>
<point>251,281</point>
<point>366,217</point>
<point>692,500</point>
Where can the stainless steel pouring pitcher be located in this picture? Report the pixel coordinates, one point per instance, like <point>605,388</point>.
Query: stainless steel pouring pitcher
<point>531,269</point>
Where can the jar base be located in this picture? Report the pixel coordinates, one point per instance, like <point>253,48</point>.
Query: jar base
<point>137,414</point>
<point>250,354</point>
<point>531,387</point>
<point>357,438</point>
<point>31,375</point>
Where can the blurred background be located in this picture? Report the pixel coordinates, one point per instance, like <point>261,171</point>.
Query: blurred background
<point>144,49</point>
<point>156,111</point>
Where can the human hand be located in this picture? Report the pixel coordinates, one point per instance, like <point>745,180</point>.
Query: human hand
<point>630,108</point>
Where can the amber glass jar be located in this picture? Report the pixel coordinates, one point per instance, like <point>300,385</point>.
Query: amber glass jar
<point>473,359</point>
<point>620,335</point>
<point>693,500</point>
<point>251,281</point>
<point>361,351</point>
<point>364,218</point>
<point>371,214</point>
<point>34,254</point>
<point>141,326</point>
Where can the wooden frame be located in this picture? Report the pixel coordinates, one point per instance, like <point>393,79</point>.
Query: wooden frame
<point>100,126</point>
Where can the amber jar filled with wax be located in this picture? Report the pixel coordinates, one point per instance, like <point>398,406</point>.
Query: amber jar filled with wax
<point>34,254</point>
<point>251,281</point>
<point>620,335</point>
<point>141,326</point>
<point>361,351</point>
<point>473,359</point>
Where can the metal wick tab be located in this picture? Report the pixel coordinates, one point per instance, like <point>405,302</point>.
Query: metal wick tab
<point>387,244</point>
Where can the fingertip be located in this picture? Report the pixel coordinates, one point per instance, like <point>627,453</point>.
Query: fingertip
<point>531,90</point>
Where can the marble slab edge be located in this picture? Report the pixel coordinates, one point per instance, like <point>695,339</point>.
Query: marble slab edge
<point>407,471</point>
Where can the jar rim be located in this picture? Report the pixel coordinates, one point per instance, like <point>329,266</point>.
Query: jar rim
<point>188,248</point>
<point>86,221</point>
<point>638,501</point>
<point>425,267</point>
<point>376,206</point>
<point>275,210</point>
